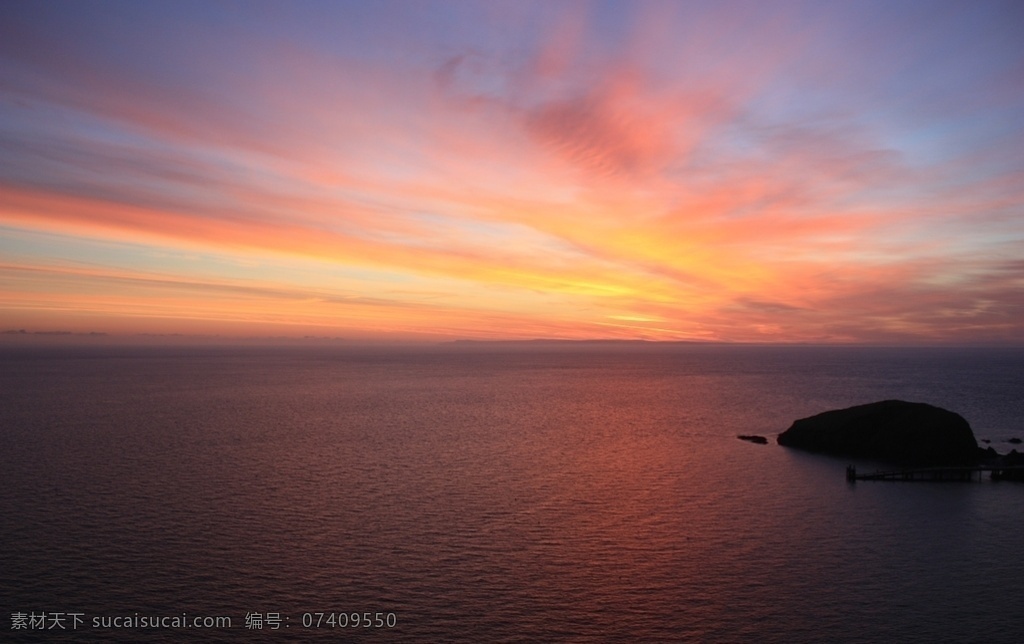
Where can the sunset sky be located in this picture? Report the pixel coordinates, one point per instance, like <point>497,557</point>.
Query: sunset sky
<point>765,171</point>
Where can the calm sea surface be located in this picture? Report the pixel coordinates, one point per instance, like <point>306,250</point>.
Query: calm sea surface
<point>481,494</point>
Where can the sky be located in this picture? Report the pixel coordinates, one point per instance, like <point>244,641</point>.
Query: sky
<point>841,172</point>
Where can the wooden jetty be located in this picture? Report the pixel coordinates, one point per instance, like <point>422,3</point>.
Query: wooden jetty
<point>937,474</point>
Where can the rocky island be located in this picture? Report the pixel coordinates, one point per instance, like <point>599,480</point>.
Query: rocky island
<point>891,430</point>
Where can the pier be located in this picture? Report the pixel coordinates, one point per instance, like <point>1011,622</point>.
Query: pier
<point>941,474</point>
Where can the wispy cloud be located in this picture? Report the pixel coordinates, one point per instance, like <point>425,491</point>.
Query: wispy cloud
<point>736,172</point>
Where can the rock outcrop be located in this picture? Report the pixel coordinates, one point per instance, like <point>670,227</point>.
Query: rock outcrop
<point>891,430</point>
<point>753,438</point>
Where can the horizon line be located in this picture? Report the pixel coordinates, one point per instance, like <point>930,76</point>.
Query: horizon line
<point>55,336</point>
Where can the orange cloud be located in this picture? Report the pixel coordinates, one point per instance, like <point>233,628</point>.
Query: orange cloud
<point>688,173</point>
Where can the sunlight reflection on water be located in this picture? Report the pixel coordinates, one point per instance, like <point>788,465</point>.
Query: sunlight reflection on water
<point>498,496</point>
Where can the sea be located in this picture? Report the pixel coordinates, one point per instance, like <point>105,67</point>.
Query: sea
<point>492,493</point>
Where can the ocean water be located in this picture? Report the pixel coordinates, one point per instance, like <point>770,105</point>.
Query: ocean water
<point>494,494</point>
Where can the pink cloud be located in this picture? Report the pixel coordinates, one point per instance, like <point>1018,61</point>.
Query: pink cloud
<point>709,173</point>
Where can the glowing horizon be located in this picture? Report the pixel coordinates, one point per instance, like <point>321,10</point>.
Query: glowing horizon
<point>751,172</point>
